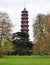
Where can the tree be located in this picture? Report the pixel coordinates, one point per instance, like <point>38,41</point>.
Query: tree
<point>22,45</point>
<point>47,32</point>
<point>40,33</point>
<point>5,29</point>
<point>8,47</point>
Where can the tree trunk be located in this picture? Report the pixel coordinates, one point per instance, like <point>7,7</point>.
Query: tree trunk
<point>1,54</point>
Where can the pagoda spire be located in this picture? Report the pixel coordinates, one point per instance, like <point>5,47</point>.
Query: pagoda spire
<point>24,4</point>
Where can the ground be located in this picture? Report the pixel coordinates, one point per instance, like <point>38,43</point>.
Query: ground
<point>25,60</point>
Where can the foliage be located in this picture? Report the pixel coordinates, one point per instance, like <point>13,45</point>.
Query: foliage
<point>42,34</point>
<point>8,47</point>
<point>22,45</point>
<point>5,31</point>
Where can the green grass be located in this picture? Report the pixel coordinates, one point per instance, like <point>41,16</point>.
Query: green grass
<point>25,60</point>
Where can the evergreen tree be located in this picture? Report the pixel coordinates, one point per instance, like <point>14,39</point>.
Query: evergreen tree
<point>22,45</point>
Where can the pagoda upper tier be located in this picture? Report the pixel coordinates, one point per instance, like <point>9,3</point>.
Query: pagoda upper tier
<point>24,21</point>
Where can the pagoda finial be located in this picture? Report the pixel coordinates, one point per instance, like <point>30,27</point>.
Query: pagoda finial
<point>24,4</point>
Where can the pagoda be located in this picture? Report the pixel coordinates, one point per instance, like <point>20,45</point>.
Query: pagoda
<point>24,21</point>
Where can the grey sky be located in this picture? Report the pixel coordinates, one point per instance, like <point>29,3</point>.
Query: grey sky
<point>14,8</point>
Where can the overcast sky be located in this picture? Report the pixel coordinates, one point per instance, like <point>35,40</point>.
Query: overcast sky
<point>14,8</point>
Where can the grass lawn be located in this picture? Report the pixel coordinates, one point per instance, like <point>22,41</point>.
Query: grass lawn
<point>25,60</point>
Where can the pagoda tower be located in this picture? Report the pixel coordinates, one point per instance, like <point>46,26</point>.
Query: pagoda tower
<point>24,21</point>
